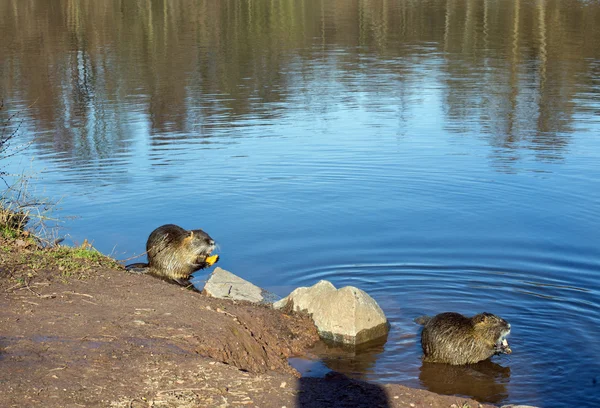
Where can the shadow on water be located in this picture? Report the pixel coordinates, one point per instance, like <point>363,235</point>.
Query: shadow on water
<point>485,381</point>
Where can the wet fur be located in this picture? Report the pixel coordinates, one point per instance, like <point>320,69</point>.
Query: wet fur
<point>455,339</point>
<point>175,253</point>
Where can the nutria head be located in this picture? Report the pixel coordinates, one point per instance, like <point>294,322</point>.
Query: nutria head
<point>490,326</point>
<point>200,244</point>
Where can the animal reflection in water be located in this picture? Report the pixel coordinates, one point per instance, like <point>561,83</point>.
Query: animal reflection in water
<point>455,339</point>
<point>485,381</point>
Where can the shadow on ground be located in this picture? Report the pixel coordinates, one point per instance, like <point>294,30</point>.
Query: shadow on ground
<point>336,391</point>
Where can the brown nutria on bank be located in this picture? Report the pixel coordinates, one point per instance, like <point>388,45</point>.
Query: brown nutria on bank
<point>175,253</point>
<point>455,339</point>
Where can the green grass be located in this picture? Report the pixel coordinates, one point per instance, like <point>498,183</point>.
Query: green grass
<point>75,260</point>
<point>26,259</point>
<point>64,252</point>
<point>7,232</point>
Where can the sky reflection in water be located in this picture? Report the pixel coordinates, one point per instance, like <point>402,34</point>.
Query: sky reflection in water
<point>442,156</point>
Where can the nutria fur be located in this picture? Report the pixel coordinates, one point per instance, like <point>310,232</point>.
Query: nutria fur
<point>455,339</point>
<point>175,253</point>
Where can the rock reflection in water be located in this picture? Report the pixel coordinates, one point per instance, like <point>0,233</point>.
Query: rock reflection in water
<point>354,361</point>
<point>485,381</point>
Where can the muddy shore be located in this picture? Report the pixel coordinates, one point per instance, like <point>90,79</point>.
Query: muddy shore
<point>106,338</point>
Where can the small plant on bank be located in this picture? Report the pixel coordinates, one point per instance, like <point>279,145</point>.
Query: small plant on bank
<point>15,203</point>
<point>22,214</point>
<point>79,259</point>
<point>22,261</point>
<point>28,232</point>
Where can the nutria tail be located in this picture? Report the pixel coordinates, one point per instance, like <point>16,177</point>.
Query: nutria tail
<point>138,267</point>
<point>422,320</point>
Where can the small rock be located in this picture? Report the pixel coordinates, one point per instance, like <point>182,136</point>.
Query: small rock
<point>223,284</point>
<point>21,244</point>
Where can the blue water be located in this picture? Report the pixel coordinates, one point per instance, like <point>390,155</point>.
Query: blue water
<point>437,172</point>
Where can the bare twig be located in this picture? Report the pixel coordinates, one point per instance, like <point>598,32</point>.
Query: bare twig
<point>80,294</point>
<point>134,257</point>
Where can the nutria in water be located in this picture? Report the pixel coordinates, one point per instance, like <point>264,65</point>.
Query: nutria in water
<point>455,339</point>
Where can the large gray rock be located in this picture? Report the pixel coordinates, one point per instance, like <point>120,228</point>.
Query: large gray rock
<point>225,285</point>
<point>347,315</point>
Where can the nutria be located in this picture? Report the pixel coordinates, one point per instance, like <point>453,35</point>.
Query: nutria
<point>455,339</point>
<point>175,253</point>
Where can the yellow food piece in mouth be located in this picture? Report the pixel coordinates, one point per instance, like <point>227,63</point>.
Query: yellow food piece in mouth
<point>211,260</point>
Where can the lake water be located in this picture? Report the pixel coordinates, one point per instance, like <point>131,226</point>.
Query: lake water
<point>440,155</point>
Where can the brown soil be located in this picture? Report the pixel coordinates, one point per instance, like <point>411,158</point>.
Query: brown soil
<point>107,338</point>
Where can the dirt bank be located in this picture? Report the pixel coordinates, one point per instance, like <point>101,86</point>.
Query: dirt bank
<point>103,337</point>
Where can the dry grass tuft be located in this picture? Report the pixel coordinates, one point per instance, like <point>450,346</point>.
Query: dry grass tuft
<point>22,214</point>
<point>28,231</point>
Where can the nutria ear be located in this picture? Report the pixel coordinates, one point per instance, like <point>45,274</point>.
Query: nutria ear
<point>191,234</point>
<point>480,318</point>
